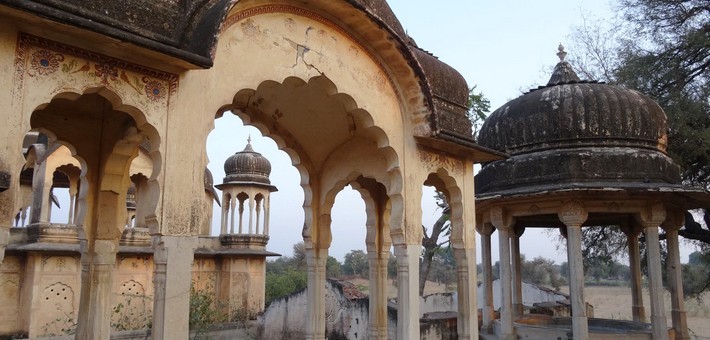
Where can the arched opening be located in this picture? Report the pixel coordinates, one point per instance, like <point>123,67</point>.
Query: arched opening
<point>286,217</point>
<point>327,138</point>
<point>101,136</point>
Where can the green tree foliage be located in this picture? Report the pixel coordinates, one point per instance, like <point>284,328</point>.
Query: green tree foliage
<point>287,275</point>
<point>661,48</point>
<point>333,268</point>
<point>478,109</point>
<point>541,271</point>
<point>287,282</point>
<point>430,240</point>
<point>355,263</point>
<point>695,274</point>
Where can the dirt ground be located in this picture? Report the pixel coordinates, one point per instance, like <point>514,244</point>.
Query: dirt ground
<point>615,303</point>
<point>609,302</point>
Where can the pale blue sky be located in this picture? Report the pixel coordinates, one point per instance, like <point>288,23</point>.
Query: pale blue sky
<point>500,46</point>
<point>503,47</point>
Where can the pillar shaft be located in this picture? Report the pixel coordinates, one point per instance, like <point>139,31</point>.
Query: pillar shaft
<point>40,195</point>
<point>573,215</point>
<point>675,285</point>
<point>467,322</point>
<point>637,308</point>
<point>487,303</point>
<point>172,277</point>
<point>225,215</point>
<point>580,328</point>
<point>315,323</point>
<point>517,276</point>
<point>506,308</point>
<point>94,319</point>
<point>658,318</point>
<point>408,291</point>
<point>377,325</point>
<point>267,213</point>
<point>251,215</point>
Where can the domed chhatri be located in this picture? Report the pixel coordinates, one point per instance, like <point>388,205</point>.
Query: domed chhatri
<point>247,166</point>
<point>575,131</point>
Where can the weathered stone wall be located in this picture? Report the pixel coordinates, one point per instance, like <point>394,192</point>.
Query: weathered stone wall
<point>346,318</point>
<point>40,282</point>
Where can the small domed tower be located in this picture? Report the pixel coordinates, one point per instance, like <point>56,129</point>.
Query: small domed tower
<point>245,196</point>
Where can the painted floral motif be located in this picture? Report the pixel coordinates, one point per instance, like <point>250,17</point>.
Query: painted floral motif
<point>155,90</point>
<point>106,72</point>
<point>45,62</point>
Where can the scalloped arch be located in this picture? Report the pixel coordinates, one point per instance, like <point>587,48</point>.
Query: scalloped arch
<point>442,181</point>
<point>244,101</point>
<point>118,162</point>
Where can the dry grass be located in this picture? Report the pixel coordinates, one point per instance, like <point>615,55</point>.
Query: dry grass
<point>609,302</point>
<point>615,303</point>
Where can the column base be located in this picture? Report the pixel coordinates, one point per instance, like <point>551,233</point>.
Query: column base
<point>639,313</point>
<point>680,325</point>
<point>580,328</point>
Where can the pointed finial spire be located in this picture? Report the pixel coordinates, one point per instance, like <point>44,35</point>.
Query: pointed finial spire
<point>561,52</point>
<point>563,72</point>
<point>248,147</point>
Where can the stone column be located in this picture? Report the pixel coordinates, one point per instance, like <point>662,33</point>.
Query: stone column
<point>40,194</point>
<point>637,309</point>
<point>651,218</point>
<point>573,215</point>
<point>258,215</point>
<point>233,211</point>
<point>315,323</point>
<point>675,281</point>
<point>267,214</point>
<point>225,214</point>
<point>94,319</point>
<point>377,325</point>
<point>251,215</point>
<point>73,190</point>
<point>172,277</point>
<point>517,271</point>
<point>407,290</point>
<point>487,285</point>
<point>504,225</point>
<point>466,284</point>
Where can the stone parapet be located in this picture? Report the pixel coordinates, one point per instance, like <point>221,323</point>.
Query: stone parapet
<point>244,241</point>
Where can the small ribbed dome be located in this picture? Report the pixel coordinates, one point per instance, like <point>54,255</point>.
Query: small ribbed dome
<point>247,166</point>
<point>571,134</point>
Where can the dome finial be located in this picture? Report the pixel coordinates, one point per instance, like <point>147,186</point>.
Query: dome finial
<point>561,52</point>
<point>248,147</point>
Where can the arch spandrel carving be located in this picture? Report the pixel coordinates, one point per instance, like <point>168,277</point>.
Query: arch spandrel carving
<point>303,45</point>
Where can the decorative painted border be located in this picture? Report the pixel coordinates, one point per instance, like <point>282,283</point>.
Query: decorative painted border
<point>286,9</point>
<point>25,41</point>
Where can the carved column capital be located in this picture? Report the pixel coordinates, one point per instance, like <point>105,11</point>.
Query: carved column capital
<point>485,229</point>
<point>572,213</point>
<point>631,230</point>
<point>652,215</point>
<point>500,218</point>
<point>675,219</point>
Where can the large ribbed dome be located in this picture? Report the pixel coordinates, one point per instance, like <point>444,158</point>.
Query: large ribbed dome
<point>573,133</point>
<point>247,166</point>
<point>569,112</point>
